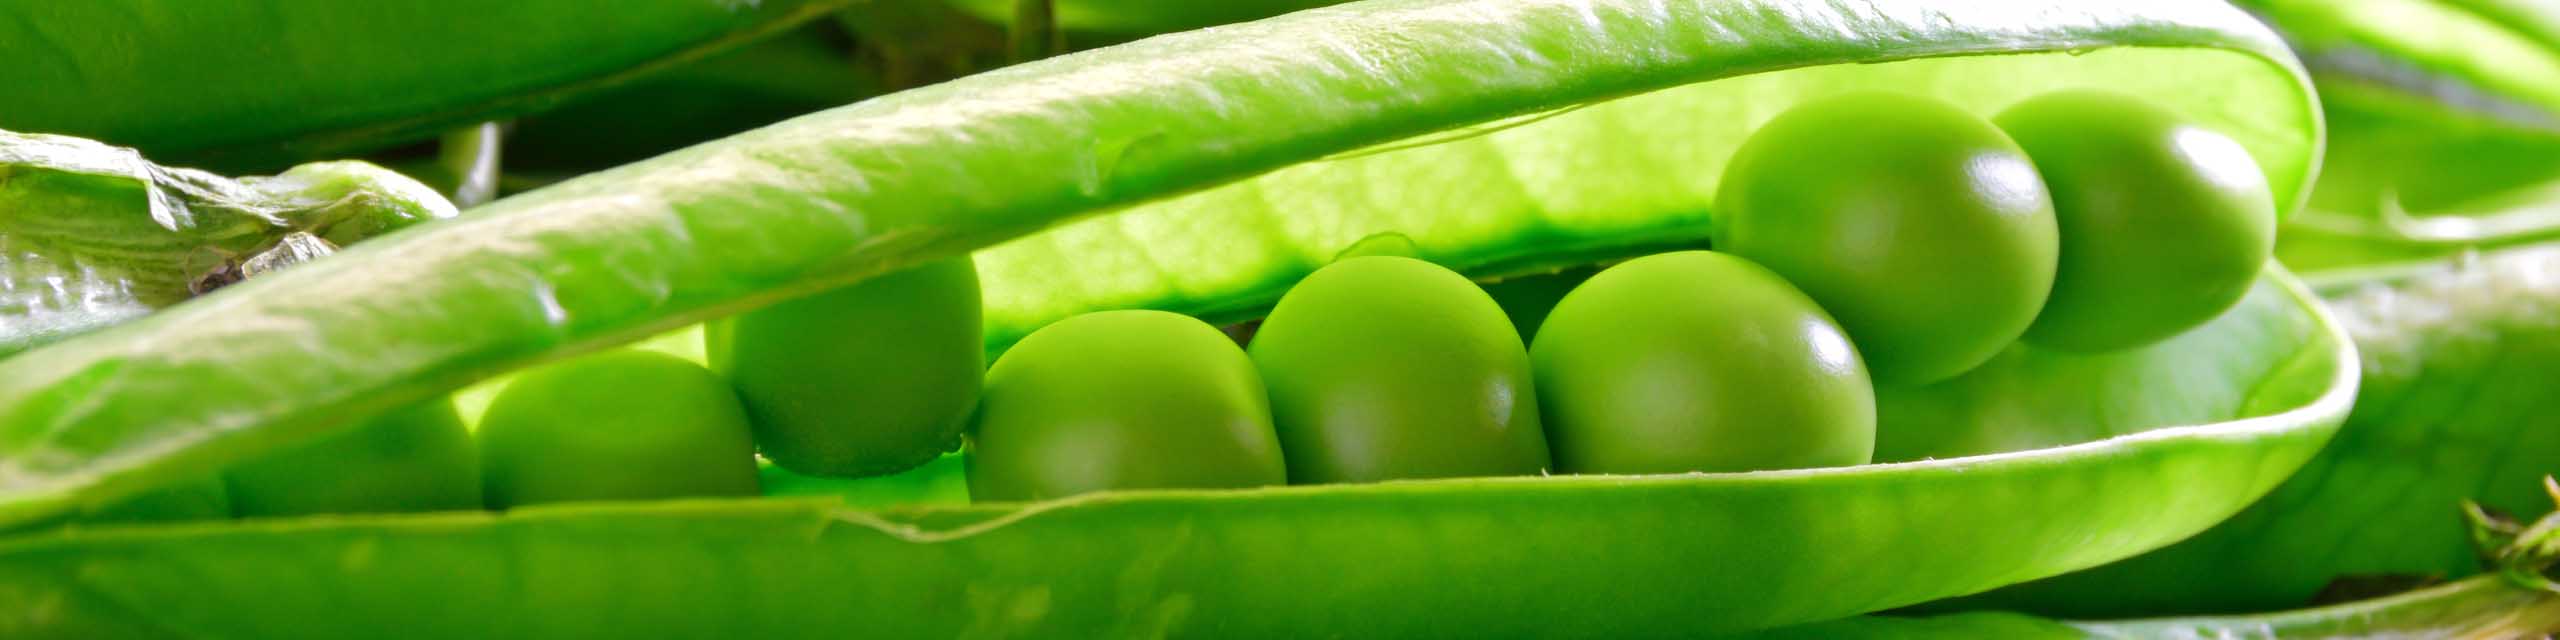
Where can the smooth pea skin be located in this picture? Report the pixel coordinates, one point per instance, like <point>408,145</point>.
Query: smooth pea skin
<point>2164,224</point>
<point>1121,400</point>
<point>1918,225</point>
<point>417,458</point>
<point>620,425</point>
<point>866,380</point>
<point>1387,367</point>
<point>1699,361</point>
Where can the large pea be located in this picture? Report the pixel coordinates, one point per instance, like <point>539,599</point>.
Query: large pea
<point>620,425</point>
<point>1699,361</point>
<point>416,458</point>
<point>1121,400</point>
<point>1920,226</point>
<point>2164,224</point>
<point>870,379</point>
<point>1387,367</point>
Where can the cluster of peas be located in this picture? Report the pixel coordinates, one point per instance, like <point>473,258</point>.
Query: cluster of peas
<point>1862,240</point>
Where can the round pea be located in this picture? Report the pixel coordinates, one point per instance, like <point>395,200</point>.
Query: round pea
<point>1384,367</point>
<point>620,425</point>
<point>2164,224</point>
<point>417,458</point>
<point>866,380</point>
<point>1699,361</point>
<point>1121,400</point>
<point>1918,225</point>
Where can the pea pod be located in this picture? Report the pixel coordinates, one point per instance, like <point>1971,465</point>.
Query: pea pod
<point>1291,138</point>
<point>2455,405</point>
<point>2517,597</point>
<point>297,79</point>
<point>2445,128</point>
<point>92,234</point>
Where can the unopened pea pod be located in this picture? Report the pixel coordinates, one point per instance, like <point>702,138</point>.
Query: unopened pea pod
<point>1286,137</point>
<point>264,85</point>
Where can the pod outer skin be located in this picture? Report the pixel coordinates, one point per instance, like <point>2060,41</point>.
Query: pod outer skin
<point>870,379</point>
<point>828,199</point>
<point>254,87</point>
<point>418,458</point>
<point>956,167</point>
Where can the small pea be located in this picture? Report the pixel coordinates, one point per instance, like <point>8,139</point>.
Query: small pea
<point>1121,400</point>
<point>416,458</point>
<point>870,379</point>
<point>2164,224</point>
<point>1386,367</point>
<point>620,425</point>
<point>1699,361</point>
<point>1923,228</point>
<point>200,499</point>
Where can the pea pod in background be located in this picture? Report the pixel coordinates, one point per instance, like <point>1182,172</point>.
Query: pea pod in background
<point>2517,596</point>
<point>2444,128</point>
<point>254,90</point>
<point>1502,137</point>
<point>2457,361</point>
<point>92,235</point>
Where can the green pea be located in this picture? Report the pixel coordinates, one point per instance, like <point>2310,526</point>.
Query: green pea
<point>1699,361</point>
<point>199,499</point>
<point>866,380</point>
<point>416,458</point>
<point>1121,400</point>
<point>620,425</point>
<point>1387,367</point>
<point>2164,224</point>
<point>1918,225</point>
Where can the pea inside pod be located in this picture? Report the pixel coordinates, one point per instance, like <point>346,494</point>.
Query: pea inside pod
<point>620,425</point>
<point>1384,367</point>
<point>416,458</point>
<point>869,379</point>
<point>1919,225</point>
<point>1699,361</point>
<point>1121,400</point>
<point>2163,223</point>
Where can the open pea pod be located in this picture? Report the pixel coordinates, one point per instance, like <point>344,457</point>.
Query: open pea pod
<point>2444,128</point>
<point>260,85</point>
<point>1499,136</point>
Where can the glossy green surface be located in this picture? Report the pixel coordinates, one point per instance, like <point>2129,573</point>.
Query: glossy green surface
<point>1919,226</point>
<point>2190,430</point>
<point>1717,552</point>
<point>869,379</point>
<point>721,228</point>
<point>1384,367</point>
<point>1121,400</point>
<point>261,84</point>
<point>413,459</point>
<point>2456,405</point>
<point>623,425</point>
<point>92,235</point>
<point>2445,120</point>
<point>1699,361</point>
<point>2163,224</point>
